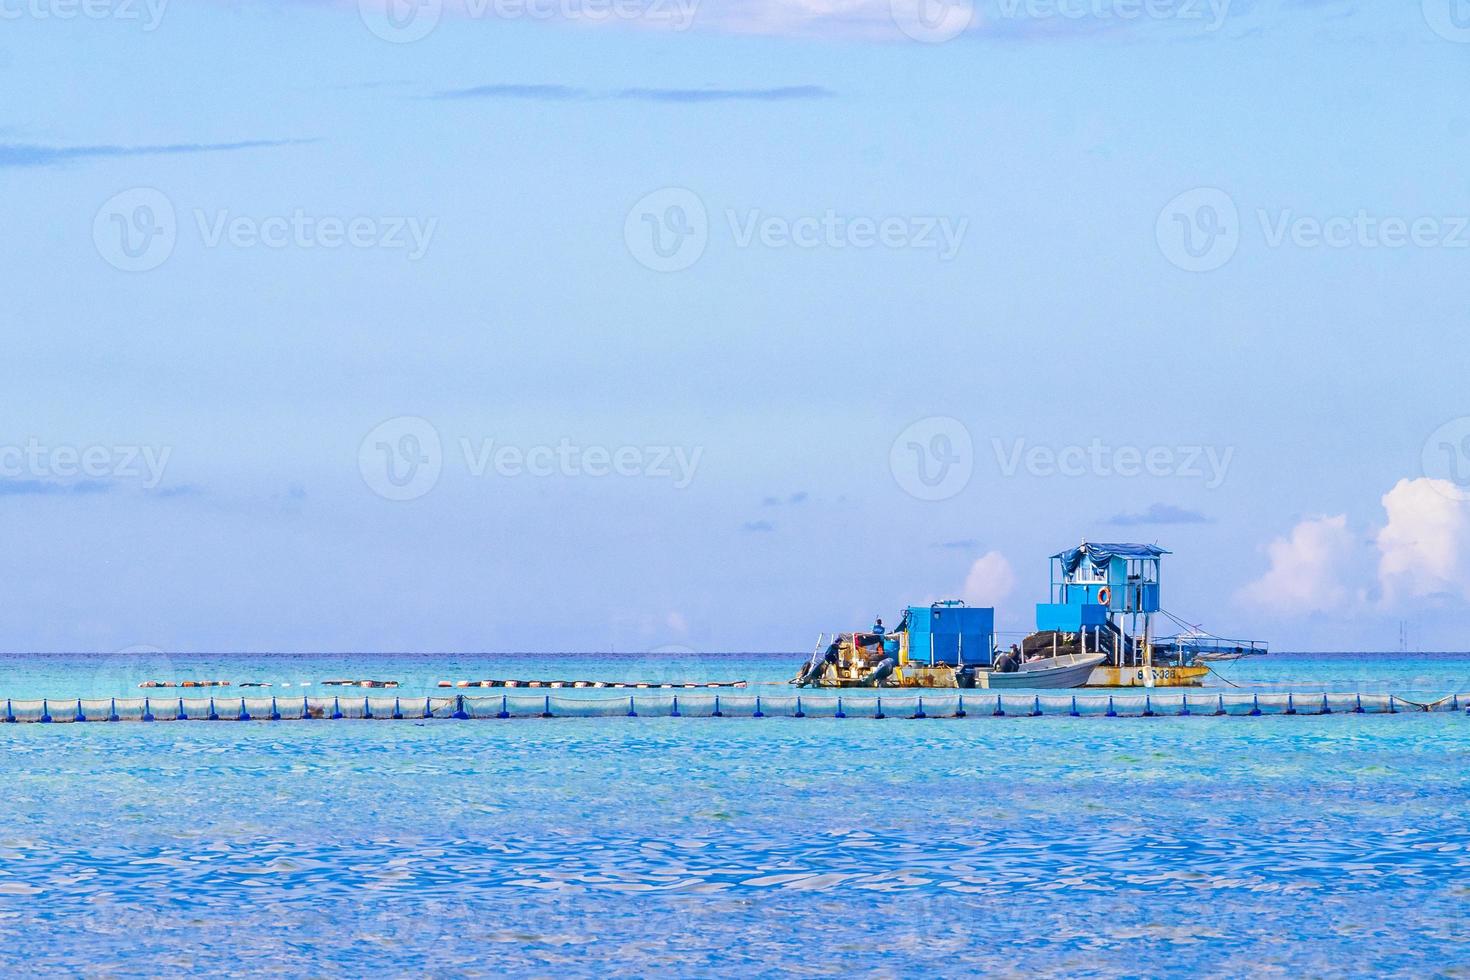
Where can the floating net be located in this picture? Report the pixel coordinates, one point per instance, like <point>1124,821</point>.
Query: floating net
<point>709,704</point>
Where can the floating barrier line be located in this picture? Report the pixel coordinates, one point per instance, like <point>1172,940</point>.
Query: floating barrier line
<point>686,704</point>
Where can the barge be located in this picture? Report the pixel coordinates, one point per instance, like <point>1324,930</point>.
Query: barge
<point>1095,630</point>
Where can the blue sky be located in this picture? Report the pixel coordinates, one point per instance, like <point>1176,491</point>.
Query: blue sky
<point>536,333</point>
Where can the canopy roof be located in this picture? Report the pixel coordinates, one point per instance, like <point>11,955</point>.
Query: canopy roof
<point>1101,554</point>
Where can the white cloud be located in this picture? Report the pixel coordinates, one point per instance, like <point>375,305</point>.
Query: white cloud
<point>990,580</point>
<point>1307,568</point>
<point>1424,546</point>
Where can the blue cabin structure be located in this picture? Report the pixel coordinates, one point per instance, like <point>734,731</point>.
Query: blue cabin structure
<point>951,633</point>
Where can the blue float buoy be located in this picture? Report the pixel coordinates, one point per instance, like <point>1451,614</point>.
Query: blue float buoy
<point>244,714</point>
<point>758,713</point>
<point>1000,711</point>
<point>1255,705</point>
<point>1290,704</point>
<point>631,712</point>
<point>213,714</point>
<point>1184,707</point>
<point>305,709</point>
<point>148,710</point>
<point>1326,708</point>
<point>1036,706</point>
<point>546,707</point>
<point>959,712</point>
<point>799,712</point>
<point>717,712</point>
<point>1075,713</point>
<point>1148,706</point>
<point>1220,709</point>
<point>80,715</point>
<point>1111,712</point>
<point>1358,709</point>
<point>878,713</point>
<point>397,710</point>
<point>459,712</point>
<point>183,715</point>
<point>504,711</point>
<point>919,711</point>
<point>839,710</point>
<point>1391,709</point>
<point>275,710</point>
<point>45,712</point>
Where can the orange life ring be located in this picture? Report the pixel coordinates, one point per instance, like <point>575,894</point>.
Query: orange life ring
<point>1104,595</point>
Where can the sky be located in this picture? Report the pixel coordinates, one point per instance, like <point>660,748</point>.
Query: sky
<point>713,324</point>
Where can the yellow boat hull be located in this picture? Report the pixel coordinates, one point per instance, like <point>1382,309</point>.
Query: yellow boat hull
<point>1193,676</point>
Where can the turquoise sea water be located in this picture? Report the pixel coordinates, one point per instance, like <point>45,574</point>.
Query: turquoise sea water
<point>701,846</point>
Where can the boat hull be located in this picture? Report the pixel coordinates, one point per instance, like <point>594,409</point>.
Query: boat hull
<point>1042,675</point>
<point>1161,676</point>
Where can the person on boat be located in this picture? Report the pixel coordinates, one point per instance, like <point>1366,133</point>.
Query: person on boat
<point>812,671</point>
<point>878,629</point>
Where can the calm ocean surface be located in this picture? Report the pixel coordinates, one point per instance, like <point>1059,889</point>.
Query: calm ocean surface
<point>701,847</point>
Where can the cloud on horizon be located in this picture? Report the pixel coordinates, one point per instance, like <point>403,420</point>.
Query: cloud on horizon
<point>19,155</point>
<point>1159,514</point>
<point>52,488</point>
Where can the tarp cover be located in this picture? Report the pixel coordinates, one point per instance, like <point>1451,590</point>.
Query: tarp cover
<point>1100,554</point>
